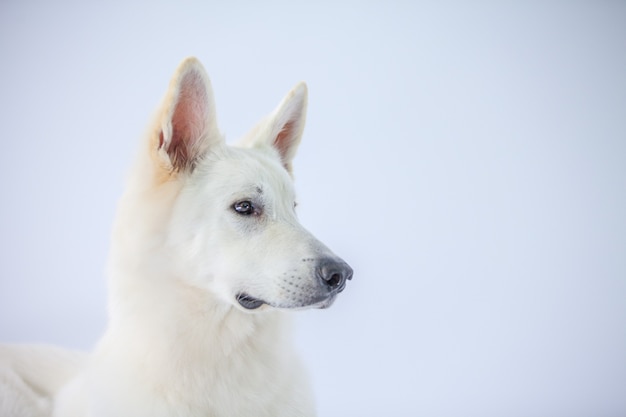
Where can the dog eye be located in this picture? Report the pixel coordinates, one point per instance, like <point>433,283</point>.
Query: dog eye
<point>245,208</point>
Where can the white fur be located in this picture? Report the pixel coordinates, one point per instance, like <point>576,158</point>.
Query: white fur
<point>178,342</point>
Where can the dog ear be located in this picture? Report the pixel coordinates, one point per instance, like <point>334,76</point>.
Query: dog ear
<point>286,124</point>
<point>188,126</point>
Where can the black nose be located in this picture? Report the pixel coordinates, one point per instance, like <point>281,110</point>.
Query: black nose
<point>333,274</point>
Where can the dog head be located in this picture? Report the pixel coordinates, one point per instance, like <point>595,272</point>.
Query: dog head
<point>232,229</point>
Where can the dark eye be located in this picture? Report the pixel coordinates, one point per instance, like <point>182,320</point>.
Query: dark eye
<point>244,208</point>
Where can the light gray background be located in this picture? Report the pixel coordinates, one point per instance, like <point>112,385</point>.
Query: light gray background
<point>468,160</point>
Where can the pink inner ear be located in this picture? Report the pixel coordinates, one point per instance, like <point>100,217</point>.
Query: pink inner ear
<point>188,121</point>
<point>284,142</point>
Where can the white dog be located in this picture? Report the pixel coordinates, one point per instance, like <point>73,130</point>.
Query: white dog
<point>207,257</point>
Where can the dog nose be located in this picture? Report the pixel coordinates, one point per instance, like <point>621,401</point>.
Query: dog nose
<point>333,274</point>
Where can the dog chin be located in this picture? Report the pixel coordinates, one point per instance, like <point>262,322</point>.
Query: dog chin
<point>325,303</point>
<point>250,303</point>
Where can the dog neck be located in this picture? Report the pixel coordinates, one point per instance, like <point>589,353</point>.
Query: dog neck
<point>186,350</point>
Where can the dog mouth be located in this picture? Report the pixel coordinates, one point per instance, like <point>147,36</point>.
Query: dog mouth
<point>248,302</point>
<point>251,303</point>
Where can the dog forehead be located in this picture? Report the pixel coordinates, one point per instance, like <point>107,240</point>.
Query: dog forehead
<point>247,170</point>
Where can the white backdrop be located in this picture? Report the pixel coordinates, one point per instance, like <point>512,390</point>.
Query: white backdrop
<point>469,161</point>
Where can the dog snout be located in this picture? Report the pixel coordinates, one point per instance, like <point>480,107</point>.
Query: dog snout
<point>333,274</point>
